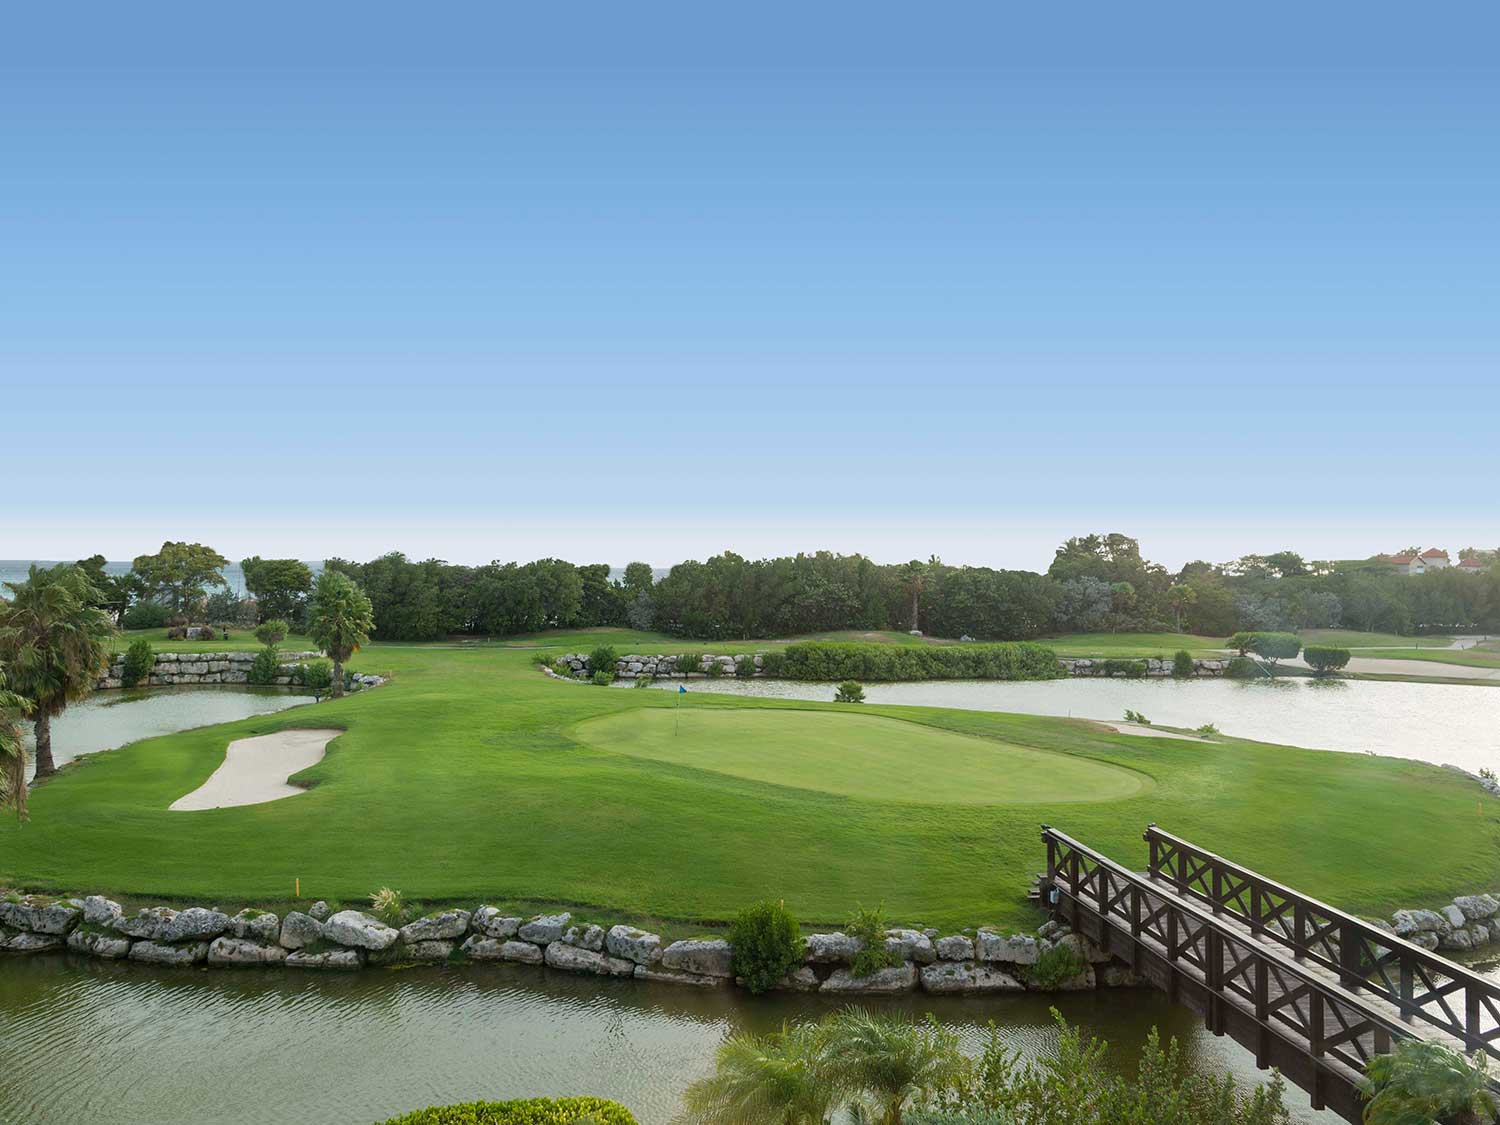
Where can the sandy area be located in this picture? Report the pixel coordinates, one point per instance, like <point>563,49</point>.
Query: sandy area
<point>255,770</point>
<point>1150,732</point>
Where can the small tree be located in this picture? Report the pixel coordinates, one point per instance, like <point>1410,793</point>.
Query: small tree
<point>849,692</point>
<point>603,659</point>
<point>1275,646</point>
<point>271,632</point>
<point>140,658</point>
<point>340,620</point>
<point>1325,659</point>
<point>317,676</point>
<point>1240,642</point>
<point>767,944</point>
<point>1182,665</point>
<point>266,666</point>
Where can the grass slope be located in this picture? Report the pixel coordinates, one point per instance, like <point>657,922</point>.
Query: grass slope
<point>463,779</point>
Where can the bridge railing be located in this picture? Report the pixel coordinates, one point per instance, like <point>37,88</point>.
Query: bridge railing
<point>1318,1016</point>
<point>1421,984</point>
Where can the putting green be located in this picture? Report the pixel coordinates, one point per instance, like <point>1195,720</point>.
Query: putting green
<point>861,756</point>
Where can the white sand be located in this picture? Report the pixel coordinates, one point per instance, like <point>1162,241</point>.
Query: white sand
<point>1149,732</point>
<point>255,770</point>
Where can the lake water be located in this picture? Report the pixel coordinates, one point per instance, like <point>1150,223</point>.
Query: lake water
<point>1432,722</point>
<point>87,1041</point>
<point>108,719</point>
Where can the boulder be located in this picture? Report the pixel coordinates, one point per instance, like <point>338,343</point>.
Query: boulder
<point>299,930</point>
<point>959,947</point>
<point>100,911</point>
<point>160,953</point>
<point>149,923</point>
<point>344,959</point>
<point>830,949</point>
<point>896,978</point>
<point>41,915</point>
<point>98,943</point>
<point>1083,982</point>
<point>585,937</point>
<point>244,951</point>
<point>634,945</point>
<point>1018,949</point>
<point>669,976</point>
<point>1493,925</point>
<point>358,930</point>
<point>1409,922</point>
<point>1118,976</point>
<point>430,951</point>
<point>320,910</point>
<point>1425,939</point>
<point>967,976</point>
<point>194,924</point>
<point>255,925</point>
<point>561,955</point>
<point>494,949</point>
<point>491,923</point>
<point>1456,940</point>
<point>910,945</point>
<point>707,958</point>
<point>1454,916</point>
<point>1476,908</point>
<point>24,941</point>
<point>437,927</point>
<point>544,929</point>
<point>1086,950</point>
<point>798,980</point>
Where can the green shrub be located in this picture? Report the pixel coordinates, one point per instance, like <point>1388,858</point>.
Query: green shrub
<point>603,659</point>
<point>1136,717</point>
<point>849,692</point>
<point>690,662</point>
<point>266,666</point>
<point>1207,730</point>
<point>601,678</point>
<point>767,944</point>
<point>145,615</point>
<point>643,681</point>
<point>714,670</point>
<point>874,663</point>
<point>318,675</point>
<point>1242,668</point>
<point>1275,646</point>
<point>1240,642</point>
<point>744,667</point>
<point>1055,967</point>
<point>1325,658</point>
<point>1182,665</point>
<point>1130,669</point>
<point>140,658</point>
<point>271,632</point>
<point>389,905</point>
<point>869,927</point>
<point>773,664</point>
<point>525,1111</point>
<point>1422,1081</point>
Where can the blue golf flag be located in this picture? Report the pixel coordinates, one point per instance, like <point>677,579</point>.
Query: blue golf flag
<point>681,690</point>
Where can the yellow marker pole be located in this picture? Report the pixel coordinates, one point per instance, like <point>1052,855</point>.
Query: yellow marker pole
<point>297,888</point>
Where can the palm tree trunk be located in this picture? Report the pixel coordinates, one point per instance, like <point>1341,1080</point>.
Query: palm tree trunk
<point>914,596</point>
<point>44,766</point>
<point>337,691</point>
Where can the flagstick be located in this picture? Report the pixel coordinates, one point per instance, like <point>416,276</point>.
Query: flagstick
<point>677,715</point>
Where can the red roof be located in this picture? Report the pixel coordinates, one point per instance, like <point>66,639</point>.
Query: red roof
<point>1401,560</point>
<point>1434,553</point>
<point>1475,564</point>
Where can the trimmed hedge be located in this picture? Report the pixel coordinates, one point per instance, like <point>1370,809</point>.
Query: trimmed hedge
<point>525,1111</point>
<point>822,660</point>
<point>1325,658</point>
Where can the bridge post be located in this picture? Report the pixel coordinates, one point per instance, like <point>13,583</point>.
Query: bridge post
<point>1154,846</point>
<point>1299,928</point>
<point>1349,958</point>
<point>1262,1012</point>
<point>1473,1028</point>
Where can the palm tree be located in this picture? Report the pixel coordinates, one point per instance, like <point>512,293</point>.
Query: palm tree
<point>1423,1081</point>
<point>12,751</point>
<point>56,640</point>
<point>1179,597</point>
<point>340,619</point>
<point>888,1059</point>
<point>763,1080</point>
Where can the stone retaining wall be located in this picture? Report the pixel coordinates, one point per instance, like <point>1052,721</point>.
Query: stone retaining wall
<point>666,667</point>
<point>970,962</point>
<point>212,668</point>
<point>1155,666</point>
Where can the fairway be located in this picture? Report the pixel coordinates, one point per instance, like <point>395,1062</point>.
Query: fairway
<point>860,756</point>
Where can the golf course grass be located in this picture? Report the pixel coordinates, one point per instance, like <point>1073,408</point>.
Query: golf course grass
<point>471,777</point>
<point>862,756</point>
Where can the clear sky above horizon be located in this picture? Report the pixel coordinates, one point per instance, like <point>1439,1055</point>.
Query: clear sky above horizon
<point>610,282</point>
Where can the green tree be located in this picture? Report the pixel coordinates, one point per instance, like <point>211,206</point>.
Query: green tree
<point>178,574</point>
<point>279,586</point>
<point>55,639</point>
<point>1324,659</point>
<point>116,591</point>
<point>12,751</point>
<point>339,620</point>
<point>887,1060</point>
<point>271,632</point>
<point>1422,1081</point>
<point>1275,646</point>
<point>639,579</point>
<point>1180,597</point>
<point>763,1080</point>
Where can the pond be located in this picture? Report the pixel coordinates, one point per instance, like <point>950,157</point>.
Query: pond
<point>108,719</point>
<point>1457,723</point>
<point>86,1041</point>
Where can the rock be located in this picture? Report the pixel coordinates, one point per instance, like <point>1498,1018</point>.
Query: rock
<point>320,910</point>
<point>429,951</point>
<point>669,976</point>
<point>244,951</point>
<point>1454,916</point>
<point>1118,976</point>
<point>491,923</point>
<point>634,945</point>
<point>159,953</point>
<point>343,959</point>
<point>1049,928</point>
<point>1018,949</point>
<point>494,949</point>
<point>1409,922</point>
<point>561,955</point>
<point>1086,950</point>
<point>585,937</point>
<point>149,923</point>
<point>910,945</point>
<point>967,976</point>
<point>299,930</point>
<point>1083,982</point>
<point>829,949</point>
<point>897,978</point>
<point>544,929</point>
<point>1476,908</point>
<point>100,911</point>
<point>708,958</point>
<point>98,943</point>
<point>355,929</point>
<point>40,915</point>
<point>437,927</point>
<point>1458,939</point>
<point>24,941</point>
<point>194,924</point>
<point>255,925</point>
<point>798,980</point>
<point>959,947</point>
<point>1493,925</point>
<point>1426,939</point>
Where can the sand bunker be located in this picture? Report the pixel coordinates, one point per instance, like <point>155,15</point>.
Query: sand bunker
<point>255,770</point>
<point>1150,732</point>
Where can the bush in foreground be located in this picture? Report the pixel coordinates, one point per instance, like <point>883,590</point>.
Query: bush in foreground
<point>525,1111</point>
<point>266,666</point>
<point>767,944</point>
<point>849,692</point>
<point>1325,659</point>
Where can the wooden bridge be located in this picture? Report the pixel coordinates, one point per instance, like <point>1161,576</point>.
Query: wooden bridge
<point>1307,988</point>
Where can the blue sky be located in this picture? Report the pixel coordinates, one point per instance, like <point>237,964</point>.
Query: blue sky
<point>932,279</point>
